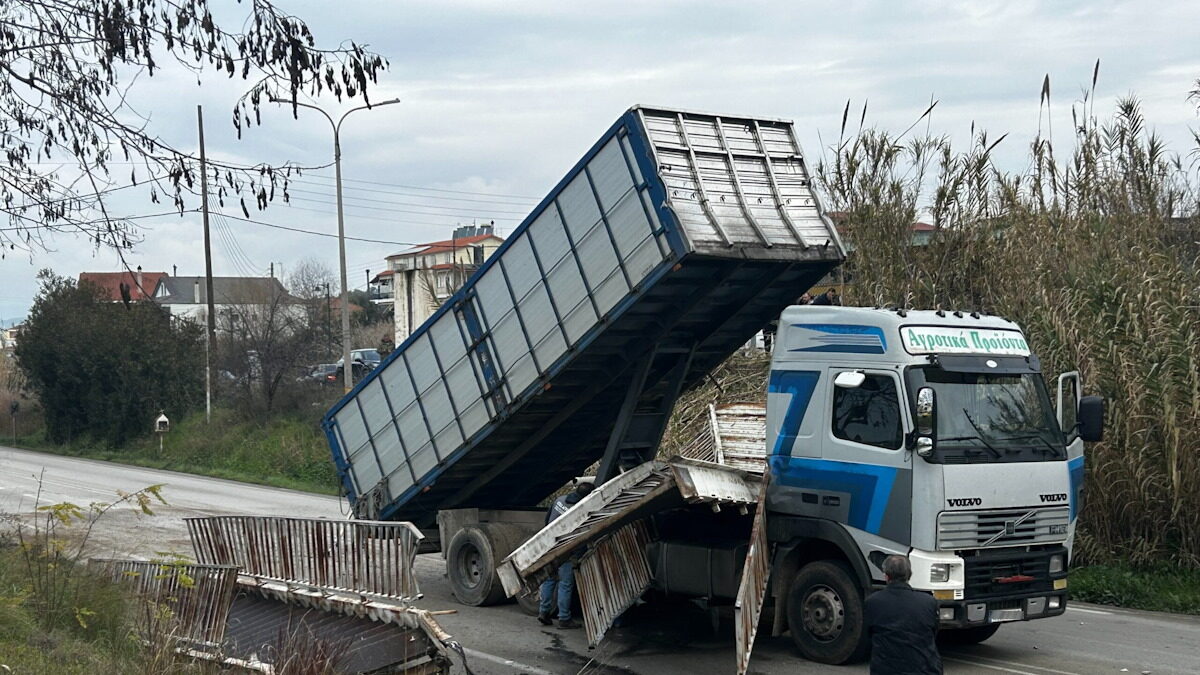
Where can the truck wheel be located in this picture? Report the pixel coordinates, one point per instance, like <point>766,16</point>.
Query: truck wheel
<point>968,636</point>
<point>825,614</point>
<point>471,568</point>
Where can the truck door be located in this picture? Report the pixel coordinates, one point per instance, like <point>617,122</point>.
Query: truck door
<point>866,470</point>
<point>1069,388</point>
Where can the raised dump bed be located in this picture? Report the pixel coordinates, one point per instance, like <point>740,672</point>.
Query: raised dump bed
<point>673,240</point>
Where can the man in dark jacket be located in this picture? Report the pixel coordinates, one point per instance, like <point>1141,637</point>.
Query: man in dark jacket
<point>564,582</point>
<point>903,625</point>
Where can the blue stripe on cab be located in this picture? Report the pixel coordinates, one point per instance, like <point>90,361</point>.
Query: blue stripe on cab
<point>868,485</point>
<point>1075,470</point>
<point>844,338</point>
<point>800,384</point>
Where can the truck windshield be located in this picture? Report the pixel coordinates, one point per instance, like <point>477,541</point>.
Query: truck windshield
<point>983,417</point>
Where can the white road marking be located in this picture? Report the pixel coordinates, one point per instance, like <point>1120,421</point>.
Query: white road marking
<point>1024,665</point>
<point>522,667</point>
<point>1071,608</point>
<point>988,665</point>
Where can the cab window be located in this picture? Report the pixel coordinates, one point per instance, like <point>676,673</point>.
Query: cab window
<point>868,414</point>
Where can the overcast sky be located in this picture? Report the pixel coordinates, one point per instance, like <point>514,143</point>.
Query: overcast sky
<point>501,98</point>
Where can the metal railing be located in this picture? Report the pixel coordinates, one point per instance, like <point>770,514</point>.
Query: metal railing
<point>611,576</point>
<point>364,558</point>
<point>181,600</point>
<point>752,590</point>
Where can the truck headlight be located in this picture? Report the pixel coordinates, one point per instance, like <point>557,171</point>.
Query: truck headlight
<point>940,572</point>
<point>1057,563</point>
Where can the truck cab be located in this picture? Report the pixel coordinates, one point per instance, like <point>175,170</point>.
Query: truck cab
<point>929,434</point>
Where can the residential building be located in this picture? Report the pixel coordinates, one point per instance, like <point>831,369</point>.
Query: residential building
<point>8,337</point>
<point>187,297</point>
<point>423,277</point>
<point>140,285</point>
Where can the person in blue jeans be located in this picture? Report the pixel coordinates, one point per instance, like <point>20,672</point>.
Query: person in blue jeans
<point>562,583</point>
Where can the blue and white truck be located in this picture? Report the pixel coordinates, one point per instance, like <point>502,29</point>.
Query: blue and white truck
<point>674,239</point>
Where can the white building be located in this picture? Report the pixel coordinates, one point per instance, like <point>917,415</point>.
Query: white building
<point>418,280</point>
<point>186,297</point>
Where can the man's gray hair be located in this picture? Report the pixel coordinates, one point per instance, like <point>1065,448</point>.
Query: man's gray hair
<point>897,568</point>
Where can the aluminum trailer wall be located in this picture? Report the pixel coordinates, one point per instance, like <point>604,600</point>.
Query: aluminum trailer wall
<point>672,241</point>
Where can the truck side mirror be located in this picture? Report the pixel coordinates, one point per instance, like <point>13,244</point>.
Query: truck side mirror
<point>926,421</point>
<point>1091,418</point>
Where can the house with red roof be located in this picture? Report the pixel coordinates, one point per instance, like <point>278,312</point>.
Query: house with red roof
<point>138,284</point>
<point>420,278</point>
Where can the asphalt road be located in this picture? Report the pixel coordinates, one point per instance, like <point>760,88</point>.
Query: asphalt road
<point>504,641</point>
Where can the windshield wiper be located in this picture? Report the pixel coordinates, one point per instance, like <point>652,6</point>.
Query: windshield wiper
<point>1049,446</point>
<point>989,446</point>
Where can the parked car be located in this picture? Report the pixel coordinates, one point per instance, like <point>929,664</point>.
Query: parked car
<point>320,373</point>
<point>370,357</point>
<point>360,371</point>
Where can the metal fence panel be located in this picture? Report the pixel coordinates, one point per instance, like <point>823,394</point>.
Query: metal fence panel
<point>187,601</point>
<point>611,576</point>
<point>753,588</point>
<point>364,557</point>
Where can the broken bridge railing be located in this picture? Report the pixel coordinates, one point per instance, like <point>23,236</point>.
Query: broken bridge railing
<point>354,557</point>
<point>184,600</point>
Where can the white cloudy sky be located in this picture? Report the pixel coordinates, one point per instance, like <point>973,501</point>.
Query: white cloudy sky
<point>501,98</point>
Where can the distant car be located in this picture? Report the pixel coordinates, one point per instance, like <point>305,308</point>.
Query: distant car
<point>320,373</point>
<point>370,357</point>
<point>360,371</point>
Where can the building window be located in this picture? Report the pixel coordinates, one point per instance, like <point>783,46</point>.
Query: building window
<point>868,414</point>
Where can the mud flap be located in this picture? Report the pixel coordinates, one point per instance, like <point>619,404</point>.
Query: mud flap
<point>753,588</point>
<point>611,576</point>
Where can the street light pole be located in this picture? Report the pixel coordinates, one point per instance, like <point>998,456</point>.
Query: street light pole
<point>347,366</point>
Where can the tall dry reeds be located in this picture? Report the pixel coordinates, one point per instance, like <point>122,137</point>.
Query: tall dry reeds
<point>1094,253</point>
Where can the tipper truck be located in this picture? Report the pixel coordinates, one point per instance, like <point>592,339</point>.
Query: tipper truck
<point>673,240</point>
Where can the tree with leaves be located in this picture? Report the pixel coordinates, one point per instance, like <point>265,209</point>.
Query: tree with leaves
<point>104,369</point>
<point>68,70</point>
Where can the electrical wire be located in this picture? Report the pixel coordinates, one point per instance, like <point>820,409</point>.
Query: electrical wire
<point>429,189</point>
<point>352,200</point>
<point>315,233</point>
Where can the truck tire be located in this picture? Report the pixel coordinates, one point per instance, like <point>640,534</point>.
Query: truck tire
<point>825,614</point>
<point>471,568</point>
<point>968,636</point>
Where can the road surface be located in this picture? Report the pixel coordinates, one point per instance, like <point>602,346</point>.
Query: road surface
<point>503,641</point>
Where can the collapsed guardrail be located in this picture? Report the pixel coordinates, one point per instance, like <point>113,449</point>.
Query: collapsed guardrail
<point>265,586</point>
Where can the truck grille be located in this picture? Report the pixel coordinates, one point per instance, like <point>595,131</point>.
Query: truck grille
<point>1007,574</point>
<point>1001,527</point>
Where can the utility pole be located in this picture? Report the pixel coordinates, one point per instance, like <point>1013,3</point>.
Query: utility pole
<point>347,365</point>
<point>210,343</point>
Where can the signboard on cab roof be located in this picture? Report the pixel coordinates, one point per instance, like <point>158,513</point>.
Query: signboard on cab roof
<point>950,340</point>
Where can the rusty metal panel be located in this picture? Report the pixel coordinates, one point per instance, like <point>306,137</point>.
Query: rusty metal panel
<point>753,589</point>
<point>263,625</point>
<point>740,430</point>
<point>705,482</point>
<point>608,506</point>
<point>351,556</point>
<point>611,576</point>
<point>185,600</point>
<point>736,436</point>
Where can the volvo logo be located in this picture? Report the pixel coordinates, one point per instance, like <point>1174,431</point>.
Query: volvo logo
<point>1010,527</point>
<point>965,501</point>
<point>1056,497</point>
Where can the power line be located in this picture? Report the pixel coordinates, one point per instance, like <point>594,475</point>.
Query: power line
<point>359,216</point>
<point>526,202</point>
<point>315,233</point>
<point>406,211</point>
<point>418,187</point>
<point>351,200</point>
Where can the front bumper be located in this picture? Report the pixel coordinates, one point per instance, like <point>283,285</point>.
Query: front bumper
<point>967,613</point>
<point>1006,585</point>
